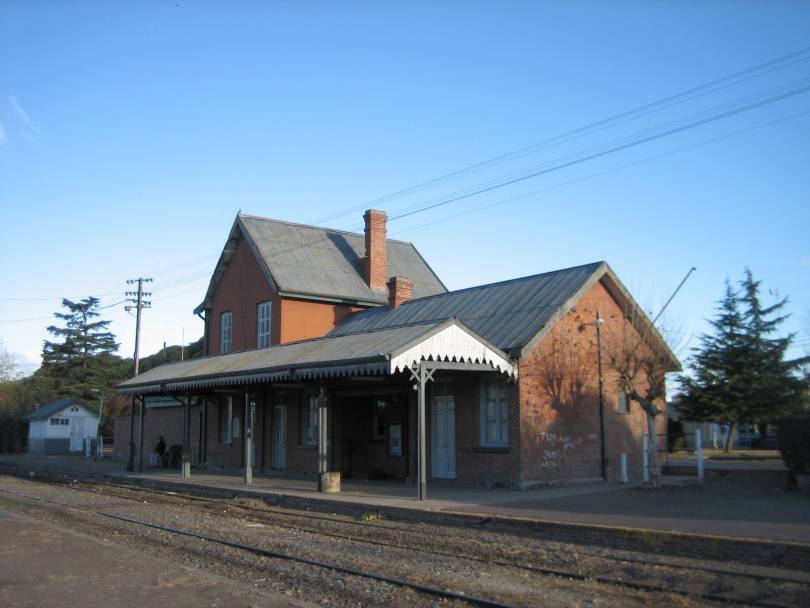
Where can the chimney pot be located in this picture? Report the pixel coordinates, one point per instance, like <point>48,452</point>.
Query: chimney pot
<point>376,260</point>
<point>399,291</point>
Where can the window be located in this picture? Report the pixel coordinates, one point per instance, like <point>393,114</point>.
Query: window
<point>54,421</point>
<point>225,332</point>
<point>308,427</point>
<point>494,414</point>
<point>263,324</point>
<point>622,404</point>
<point>226,420</point>
<point>65,421</point>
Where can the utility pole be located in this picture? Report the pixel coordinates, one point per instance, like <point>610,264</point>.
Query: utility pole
<point>138,303</point>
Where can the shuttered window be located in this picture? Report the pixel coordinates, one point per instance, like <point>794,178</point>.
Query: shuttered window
<point>494,413</point>
<point>225,332</point>
<point>263,316</point>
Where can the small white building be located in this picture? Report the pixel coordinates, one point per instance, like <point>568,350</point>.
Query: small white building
<point>61,427</point>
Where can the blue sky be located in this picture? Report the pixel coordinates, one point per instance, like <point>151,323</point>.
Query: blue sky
<point>132,133</point>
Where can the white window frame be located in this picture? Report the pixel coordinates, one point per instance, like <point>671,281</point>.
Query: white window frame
<point>226,420</point>
<point>622,403</point>
<point>494,414</point>
<point>225,332</point>
<point>264,316</point>
<point>308,420</point>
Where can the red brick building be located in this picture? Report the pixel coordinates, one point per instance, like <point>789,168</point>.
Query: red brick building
<point>335,351</point>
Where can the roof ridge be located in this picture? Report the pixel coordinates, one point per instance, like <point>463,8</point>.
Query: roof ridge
<point>324,228</point>
<point>504,282</point>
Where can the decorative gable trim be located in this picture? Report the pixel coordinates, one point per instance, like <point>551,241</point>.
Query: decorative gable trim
<point>454,342</point>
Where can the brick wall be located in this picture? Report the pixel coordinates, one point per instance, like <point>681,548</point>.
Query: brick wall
<point>475,465</point>
<point>559,418</point>
<point>242,287</point>
<point>376,261</point>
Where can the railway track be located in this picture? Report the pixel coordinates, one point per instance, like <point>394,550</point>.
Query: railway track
<point>714,584</point>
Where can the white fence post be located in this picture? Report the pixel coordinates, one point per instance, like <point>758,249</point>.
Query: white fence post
<point>699,454</point>
<point>646,452</point>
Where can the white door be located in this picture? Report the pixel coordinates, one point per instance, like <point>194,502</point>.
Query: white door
<point>280,437</point>
<point>76,434</point>
<point>443,445</point>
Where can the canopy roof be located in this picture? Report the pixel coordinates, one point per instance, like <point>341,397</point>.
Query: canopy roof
<point>380,352</point>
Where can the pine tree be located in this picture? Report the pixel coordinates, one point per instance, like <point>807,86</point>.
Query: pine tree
<point>774,391</point>
<point>738,372</point>
<point>85,357</point>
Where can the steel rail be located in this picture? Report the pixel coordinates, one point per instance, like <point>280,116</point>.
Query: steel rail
<point>424,588</point>
<point>655,562</point>
<point>435,591</point>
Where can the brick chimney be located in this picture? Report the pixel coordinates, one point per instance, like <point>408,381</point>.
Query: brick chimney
<point>376,260</point>
<point>399,291</point>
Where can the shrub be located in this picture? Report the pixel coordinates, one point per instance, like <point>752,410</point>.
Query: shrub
<point>794,442</point>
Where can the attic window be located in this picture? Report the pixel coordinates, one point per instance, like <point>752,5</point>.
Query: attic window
<point>263,315</point>
<point>225,332</point>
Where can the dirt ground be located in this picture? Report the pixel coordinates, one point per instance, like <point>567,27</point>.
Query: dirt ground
<point>44,565</point>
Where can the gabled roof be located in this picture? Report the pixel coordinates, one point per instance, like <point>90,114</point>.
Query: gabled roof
<point>54,407</point>
<point>507,314</point>
<point>320,263</point>
<point>379,352</point>
<point>512,315</point>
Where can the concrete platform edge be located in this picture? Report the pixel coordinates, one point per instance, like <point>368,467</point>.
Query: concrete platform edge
<point>759,552</point>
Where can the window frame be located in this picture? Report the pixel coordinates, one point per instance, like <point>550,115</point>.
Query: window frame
<point>225,331</point>
<point>226,421</point>
<point>622,403</point>
<point>502,403</point>
<point>308,422</point>
<point>263,337</point>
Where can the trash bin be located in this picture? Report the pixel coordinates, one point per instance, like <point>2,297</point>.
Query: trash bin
<point>330,481</point>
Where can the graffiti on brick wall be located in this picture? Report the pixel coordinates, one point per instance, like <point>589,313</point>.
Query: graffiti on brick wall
<point>555,448</point>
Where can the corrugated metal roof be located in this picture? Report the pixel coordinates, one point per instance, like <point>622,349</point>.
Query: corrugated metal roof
<point>54,407</point>
<point>506,314</point>
<point>321,262</point>
<point>357,354</point>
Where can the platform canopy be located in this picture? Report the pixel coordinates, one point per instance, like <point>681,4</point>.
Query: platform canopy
<point>381,352</point>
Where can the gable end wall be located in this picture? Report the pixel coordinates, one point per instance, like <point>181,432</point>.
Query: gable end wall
<point>559,439</point>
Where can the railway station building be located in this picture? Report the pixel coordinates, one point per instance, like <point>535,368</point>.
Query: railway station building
<point>330,351</point>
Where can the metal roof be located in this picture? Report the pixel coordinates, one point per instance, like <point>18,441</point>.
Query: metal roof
<point>378,352</point>
<point>54,407</point>
<point>359,354</point>
<point>309,261</point>
<point>506,314</point>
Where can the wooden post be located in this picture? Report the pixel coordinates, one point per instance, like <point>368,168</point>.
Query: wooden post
<point>142,411</point>
<point>131,460</point>
<point>250,420</point>
<point>185,466</point>
<point>323,436</point>
<point>422,443</point>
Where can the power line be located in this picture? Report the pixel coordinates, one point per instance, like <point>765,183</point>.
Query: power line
<point>605,172</point>
<point>617,119</point>
<point>800,87</point>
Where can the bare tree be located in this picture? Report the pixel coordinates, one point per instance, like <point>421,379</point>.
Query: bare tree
<point>9,368</point>
<point>641,359</point>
